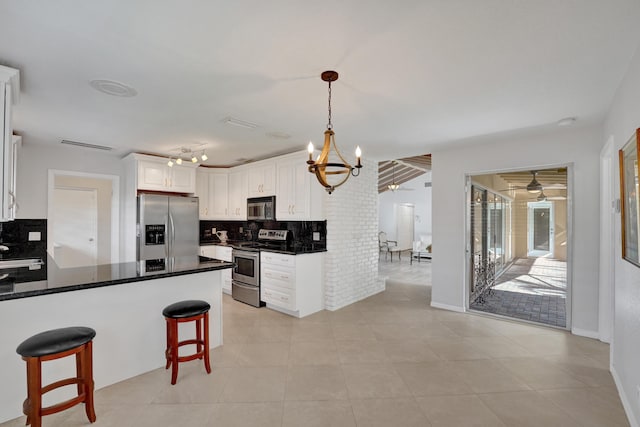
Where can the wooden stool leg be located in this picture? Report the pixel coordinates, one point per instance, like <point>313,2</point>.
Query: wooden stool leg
<point>199,336</point>
<point>207,365</point>
<point>33,404</point>
<point>88,384</point>
<point>80,371</point>
<point>174,350</point>
<point>167,353</point>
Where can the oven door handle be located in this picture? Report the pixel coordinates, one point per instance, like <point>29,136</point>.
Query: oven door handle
<point>243,286</point>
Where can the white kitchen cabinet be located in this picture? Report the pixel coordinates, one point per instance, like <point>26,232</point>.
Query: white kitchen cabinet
<point>223,253</point>
<point>293,190</point>
<point>238,195</point>
<point>9,95</point>
<point>202,191</point>
<point>262,178</point>
<point>212,191</point>
<point>154,174</point>
<point>293,284</point>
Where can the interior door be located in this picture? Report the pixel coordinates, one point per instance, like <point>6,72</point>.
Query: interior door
<point>75,227</point>
<point>405,225</point>
<point>540,229</point>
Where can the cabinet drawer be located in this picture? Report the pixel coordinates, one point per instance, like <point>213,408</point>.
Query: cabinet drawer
<point>278,259</point>
<point>279,275</point>
<point>280,299</point>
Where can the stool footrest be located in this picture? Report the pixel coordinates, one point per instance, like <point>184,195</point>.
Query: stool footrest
<point>61,383</point>
<point>58,407</point>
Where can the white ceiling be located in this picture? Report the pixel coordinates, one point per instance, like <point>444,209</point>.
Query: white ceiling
<point>413,74</point>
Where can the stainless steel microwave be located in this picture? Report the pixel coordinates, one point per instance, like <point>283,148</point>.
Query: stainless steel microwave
<point>261,208</point>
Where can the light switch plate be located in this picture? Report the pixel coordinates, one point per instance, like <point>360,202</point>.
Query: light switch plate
<point>316,236</point>
<point>35,236</point>
<point>213,230</point>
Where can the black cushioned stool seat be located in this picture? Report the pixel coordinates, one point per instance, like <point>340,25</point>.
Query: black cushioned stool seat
<point>51,345</point>
<point>187,308</point>
<point>187,311</point>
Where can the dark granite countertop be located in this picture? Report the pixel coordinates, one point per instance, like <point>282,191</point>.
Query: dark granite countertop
<point>55,279</point>
<point>295,249</point>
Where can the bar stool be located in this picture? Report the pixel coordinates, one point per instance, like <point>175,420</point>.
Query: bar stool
<point>187,311</point>
<point>51,345</point>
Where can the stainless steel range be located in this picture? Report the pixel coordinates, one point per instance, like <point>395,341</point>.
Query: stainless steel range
<point>245,284</point>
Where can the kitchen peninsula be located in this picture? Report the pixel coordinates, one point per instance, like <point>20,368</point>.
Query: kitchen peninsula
<point>122,302</point>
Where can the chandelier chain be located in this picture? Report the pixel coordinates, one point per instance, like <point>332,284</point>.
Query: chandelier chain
<point>329,124</point>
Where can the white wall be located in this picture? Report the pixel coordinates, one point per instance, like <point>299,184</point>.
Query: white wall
<point>419,196</point>
<point>352,240</point>
<point>528,150</point>
<point>622,121</point>
<point>35,160</point>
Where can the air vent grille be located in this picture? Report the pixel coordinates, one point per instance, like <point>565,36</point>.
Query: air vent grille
<point>86,145</point>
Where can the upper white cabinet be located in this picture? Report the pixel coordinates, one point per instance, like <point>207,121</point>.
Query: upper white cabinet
<point>154,174</point>
<point>262,178</point>
<point>238,194</point>
<point>9,95</point>
<point>293,195</point>
<point>212,190</point>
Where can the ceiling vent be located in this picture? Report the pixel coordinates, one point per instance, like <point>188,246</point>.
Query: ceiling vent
<point>113,88</point>
<point>85,145</point>
<point>278,135</point>
<point>239,123</point>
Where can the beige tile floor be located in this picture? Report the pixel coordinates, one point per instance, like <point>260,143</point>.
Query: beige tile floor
<point>390,360</point>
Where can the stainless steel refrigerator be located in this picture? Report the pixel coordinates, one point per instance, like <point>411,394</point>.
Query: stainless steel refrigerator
<point>168,226</point>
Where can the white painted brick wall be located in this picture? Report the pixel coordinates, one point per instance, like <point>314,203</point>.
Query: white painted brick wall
<point>352,240</point>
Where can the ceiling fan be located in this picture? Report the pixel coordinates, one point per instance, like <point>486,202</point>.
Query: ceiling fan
<point>536,189</point>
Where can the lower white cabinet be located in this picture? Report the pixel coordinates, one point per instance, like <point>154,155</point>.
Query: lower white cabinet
<point>223,253</point>
<point>293,284</point>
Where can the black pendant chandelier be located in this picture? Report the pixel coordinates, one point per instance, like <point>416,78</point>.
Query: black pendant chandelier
<point>323,168</point>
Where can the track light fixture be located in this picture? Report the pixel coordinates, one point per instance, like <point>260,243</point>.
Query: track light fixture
<point>187,153</point>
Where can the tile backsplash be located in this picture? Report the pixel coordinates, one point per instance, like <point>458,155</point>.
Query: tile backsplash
<point>302,232</point>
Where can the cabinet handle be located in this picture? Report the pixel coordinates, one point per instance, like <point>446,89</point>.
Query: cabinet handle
<point>13,200</point>
<point>293,209</point>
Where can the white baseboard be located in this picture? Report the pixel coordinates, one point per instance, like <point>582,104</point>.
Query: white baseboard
<point>624,398</point>
<point>585,333</point>
<point>447,307</point>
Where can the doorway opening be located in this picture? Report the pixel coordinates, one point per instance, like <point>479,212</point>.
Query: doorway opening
<point>83,218</point>
<point>518,239</point>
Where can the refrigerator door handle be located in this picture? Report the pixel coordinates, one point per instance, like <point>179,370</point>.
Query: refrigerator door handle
<point>172,235</point>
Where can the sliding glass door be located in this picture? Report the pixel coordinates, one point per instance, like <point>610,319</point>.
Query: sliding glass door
<point>490,215</point>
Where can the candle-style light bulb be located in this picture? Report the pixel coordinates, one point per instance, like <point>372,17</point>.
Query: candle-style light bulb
<point>310,150</point>
<point>358,155</point>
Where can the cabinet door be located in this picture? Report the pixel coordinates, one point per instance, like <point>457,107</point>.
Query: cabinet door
<point>7,156</point>
<point>238,195</point>
<point>300,191</point>
<point>202,191</point>
<point>284,190</point>
<point>208,251</point>
<point>152,176</point>
<point>218,195</point>
<point>182,179</point>
<point>262,180</point>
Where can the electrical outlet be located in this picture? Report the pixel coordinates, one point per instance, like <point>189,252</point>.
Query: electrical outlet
<point>316,236</point>
<point>240,230</point>
<point>213,230</point>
